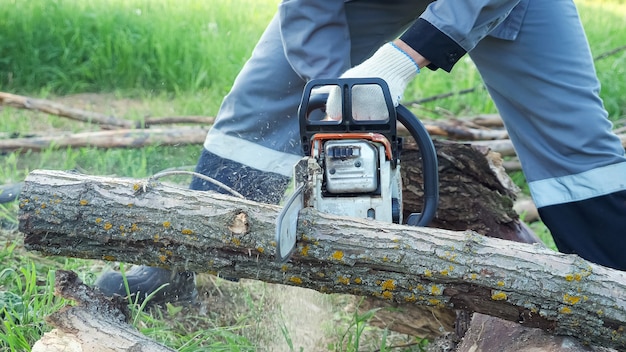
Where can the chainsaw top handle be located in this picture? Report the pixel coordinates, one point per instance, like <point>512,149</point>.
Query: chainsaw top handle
<point>314,99</point>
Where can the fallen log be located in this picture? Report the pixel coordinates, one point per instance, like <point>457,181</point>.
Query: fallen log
<point>150,223</point>
<point>491,334</point>
<point>475,191</point>
<point>480,127</point>
<point>488,120</point>
<point>197,120</point>
<point>95,323</point>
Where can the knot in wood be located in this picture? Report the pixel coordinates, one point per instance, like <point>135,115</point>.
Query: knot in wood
<point>239,224</point>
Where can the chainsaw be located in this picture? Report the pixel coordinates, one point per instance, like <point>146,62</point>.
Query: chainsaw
<point>351,166</point>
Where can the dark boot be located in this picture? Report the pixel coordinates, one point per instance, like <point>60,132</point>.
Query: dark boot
<point>10,192</point>
<point>144,280</point>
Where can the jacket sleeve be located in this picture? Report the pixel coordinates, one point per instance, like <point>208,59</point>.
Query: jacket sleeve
<point>448,28</point>
<point>315,37</point>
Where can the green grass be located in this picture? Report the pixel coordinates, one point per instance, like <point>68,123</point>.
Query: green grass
<point>149,45</point>
<point>604,23</point>
<point>26,294</point>
<point>168,57</point>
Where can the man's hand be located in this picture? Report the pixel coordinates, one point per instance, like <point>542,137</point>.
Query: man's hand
<point>391,64</point>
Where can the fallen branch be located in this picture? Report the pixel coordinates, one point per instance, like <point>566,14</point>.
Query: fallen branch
<point>527,210</point>
<point>457,129</point>
<point>150,223</point>
<point>488,120</point>
<point>126,138</point>
<point>53,108</point>
<point>169,120</point>
<point>512,165</point>
<point>105,121</point>
<point>443,96</point>
<point>610,53</point>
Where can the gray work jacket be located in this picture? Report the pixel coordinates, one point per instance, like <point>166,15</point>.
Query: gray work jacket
<point>315,32</point>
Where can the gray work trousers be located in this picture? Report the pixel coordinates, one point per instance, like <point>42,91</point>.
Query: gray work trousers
<point>542,81</point>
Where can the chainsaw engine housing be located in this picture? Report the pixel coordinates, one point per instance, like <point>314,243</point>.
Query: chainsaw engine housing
<point>354,166</point>
<point>362,186</point>
<point>351,166</point>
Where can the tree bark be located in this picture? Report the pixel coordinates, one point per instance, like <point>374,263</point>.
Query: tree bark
<point>491,334</point>
<point>150,223</point>
<point>95,323</point>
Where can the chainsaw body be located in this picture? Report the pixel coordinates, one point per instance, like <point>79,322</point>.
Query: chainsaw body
<point>357,172</point>
<point>355,179</point>
<point>351,166</point>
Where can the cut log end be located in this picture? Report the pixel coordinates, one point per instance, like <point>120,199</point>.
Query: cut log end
<point>96,323</point>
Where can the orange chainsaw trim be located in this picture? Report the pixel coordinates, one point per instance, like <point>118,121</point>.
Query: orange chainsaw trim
<point>374,137</point>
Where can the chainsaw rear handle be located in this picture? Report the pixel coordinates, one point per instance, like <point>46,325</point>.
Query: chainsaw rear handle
<point>430,167</point>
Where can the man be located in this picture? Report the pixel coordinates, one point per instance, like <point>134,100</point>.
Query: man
<point>533,57</point>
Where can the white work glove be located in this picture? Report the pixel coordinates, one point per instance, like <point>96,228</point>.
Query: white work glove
<point>389,63</point>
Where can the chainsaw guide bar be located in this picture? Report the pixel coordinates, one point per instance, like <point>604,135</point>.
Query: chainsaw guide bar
<point>287,225</point>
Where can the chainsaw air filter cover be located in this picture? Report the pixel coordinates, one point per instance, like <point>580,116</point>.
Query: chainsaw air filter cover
<point>351,166</point>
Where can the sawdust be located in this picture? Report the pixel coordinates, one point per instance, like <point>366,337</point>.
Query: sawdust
<point>279,318</point>
<point>306,315</point>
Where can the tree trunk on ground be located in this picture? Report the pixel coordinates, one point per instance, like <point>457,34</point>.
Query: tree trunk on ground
<point>475,191</point>
<point>96,323</point>
<point>150,223</point>
<point>491,334</point>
